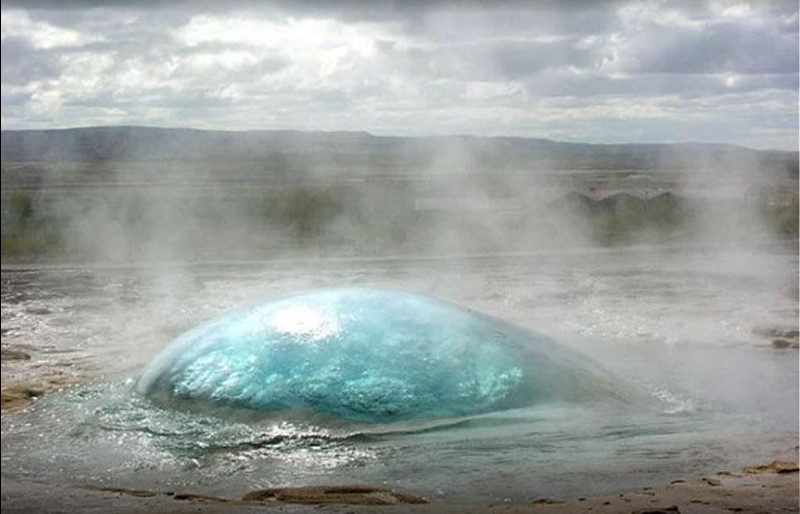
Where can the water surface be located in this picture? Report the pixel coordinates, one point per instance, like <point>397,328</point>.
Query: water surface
<point>673,324</point>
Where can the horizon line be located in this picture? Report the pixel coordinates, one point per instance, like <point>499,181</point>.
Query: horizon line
<point>428,136</point>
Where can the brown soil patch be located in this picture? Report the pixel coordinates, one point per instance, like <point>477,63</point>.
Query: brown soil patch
<point>21,394</point>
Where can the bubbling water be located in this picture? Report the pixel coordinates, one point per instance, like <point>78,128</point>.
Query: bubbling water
<point>367,354</point>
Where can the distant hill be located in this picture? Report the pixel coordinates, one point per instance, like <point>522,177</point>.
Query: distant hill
<point>360,149</point>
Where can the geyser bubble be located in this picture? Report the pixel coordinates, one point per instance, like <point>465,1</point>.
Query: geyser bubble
<point>365,354</point>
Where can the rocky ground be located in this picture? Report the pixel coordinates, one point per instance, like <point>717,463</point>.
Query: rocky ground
<point>779,338</point>
<point>767,488</point>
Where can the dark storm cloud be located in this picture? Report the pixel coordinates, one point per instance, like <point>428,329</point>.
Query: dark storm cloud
<point>21,63</point>
<point>498,60</point>
<point>519,58</point>
<point>725,47</point>
<point>351,8</point>
<point>505,66</point>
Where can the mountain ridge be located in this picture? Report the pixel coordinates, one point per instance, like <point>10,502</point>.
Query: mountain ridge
<point>361,148</point>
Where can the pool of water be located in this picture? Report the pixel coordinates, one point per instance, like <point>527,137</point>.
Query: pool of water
<point>673,325</point>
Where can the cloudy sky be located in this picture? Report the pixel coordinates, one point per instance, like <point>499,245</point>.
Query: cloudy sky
<point>724,71</point>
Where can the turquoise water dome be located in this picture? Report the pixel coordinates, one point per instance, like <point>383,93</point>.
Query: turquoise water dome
<point>365,354</point>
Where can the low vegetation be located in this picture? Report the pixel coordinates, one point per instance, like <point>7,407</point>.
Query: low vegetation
<point>380,218</point>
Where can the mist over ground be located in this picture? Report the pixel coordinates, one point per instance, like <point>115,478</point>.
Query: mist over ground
<point>132,194</point>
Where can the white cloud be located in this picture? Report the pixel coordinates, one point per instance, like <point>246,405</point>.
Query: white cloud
<point>492,90</point>
<point>323,43</point>
<point>639,69</point>
<point>43,35</point>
